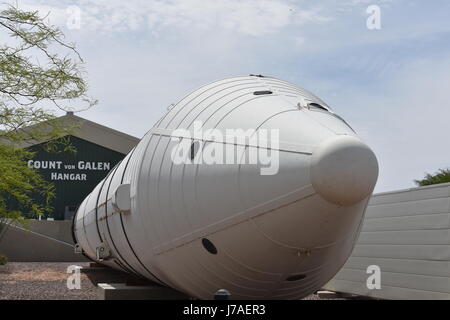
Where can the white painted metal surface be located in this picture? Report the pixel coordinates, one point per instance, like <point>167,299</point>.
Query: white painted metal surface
<point>278,236</point>
<point>407,234</point>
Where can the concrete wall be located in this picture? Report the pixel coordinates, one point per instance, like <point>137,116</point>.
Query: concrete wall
<point>407,234</point>
<point>44,241</point>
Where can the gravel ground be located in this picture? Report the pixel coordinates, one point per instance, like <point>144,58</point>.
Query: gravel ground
<point>48,281</point>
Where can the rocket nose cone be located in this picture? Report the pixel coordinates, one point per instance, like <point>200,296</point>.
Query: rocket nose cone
<point>344,170</point>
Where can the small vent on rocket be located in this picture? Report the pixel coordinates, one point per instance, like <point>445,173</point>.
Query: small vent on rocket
<point>260,93</point>
<point>296,277</point>
<point>209,246</point>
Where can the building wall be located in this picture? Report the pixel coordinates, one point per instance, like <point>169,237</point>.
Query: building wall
<point>41,241</point>
<point>74,175</point>
<point>407,234</point>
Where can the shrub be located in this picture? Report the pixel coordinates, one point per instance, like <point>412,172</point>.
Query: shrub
<point>442,176</point>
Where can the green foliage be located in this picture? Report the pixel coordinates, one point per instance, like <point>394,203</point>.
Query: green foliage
<point>442,176</point>
<point>3,260</point>
<point>37,68</point>
<point>20,185</point>
<point>23,80</point>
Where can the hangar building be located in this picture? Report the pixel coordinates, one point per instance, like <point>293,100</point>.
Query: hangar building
<point>75,174</point>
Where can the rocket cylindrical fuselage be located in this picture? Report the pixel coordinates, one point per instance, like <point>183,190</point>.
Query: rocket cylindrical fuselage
<point>249,184</point>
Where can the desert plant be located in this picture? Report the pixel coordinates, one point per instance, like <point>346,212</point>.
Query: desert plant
<point>3,260</point>
<point>442,176</point>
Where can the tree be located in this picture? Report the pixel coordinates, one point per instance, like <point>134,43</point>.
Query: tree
<point>442,176</point>
<point>39,69</point>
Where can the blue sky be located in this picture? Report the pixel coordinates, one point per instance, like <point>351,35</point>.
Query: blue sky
<point>391,84</point>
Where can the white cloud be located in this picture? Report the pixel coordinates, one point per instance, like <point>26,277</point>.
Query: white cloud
<point>246,17</point>
<point>299,41</point>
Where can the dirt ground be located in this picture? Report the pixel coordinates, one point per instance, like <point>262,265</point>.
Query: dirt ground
<point>48,281</point>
